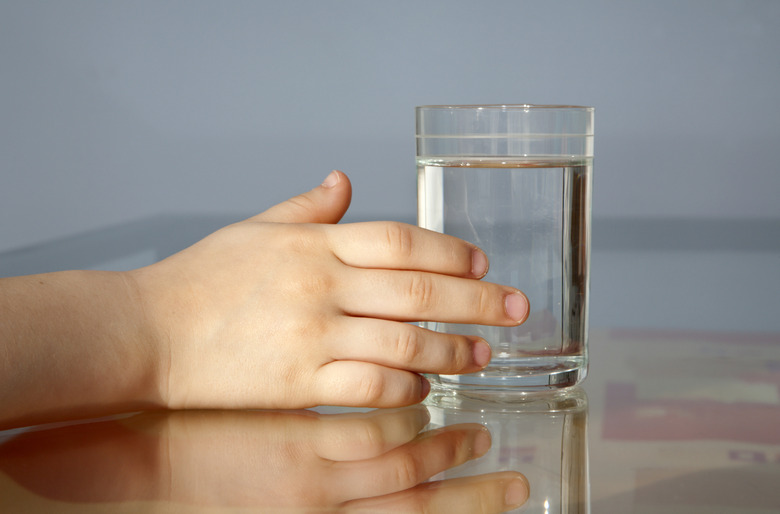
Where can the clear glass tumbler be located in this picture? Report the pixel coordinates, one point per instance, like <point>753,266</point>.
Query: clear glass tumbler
<point>516,181</point>
<point>545,439</point>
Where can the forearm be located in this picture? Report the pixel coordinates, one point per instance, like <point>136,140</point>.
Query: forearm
<point>74,344</point>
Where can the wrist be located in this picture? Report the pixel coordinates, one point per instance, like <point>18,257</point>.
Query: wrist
<point>150,331</point>
<point>77,345</point>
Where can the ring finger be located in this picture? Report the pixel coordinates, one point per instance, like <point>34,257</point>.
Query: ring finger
<point>408,347</point>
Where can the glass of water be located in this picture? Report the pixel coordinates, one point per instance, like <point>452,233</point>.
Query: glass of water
<point>545,439</point>
<point>515,180</point>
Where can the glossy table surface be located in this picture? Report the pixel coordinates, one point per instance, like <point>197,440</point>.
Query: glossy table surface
<point>679,414</point>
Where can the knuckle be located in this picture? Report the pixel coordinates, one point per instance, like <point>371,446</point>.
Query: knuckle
<point>369,435</point>
<point>399,239</point>
<point>409,344</point>
<point>303,203</point>
<point>313,285</point>
<point>484,303</point>
<point>371,388</point>
<point>316,325</point>
<point>459,353</point>
<point>301,238</point>
<point>483,501</point>
<point>422,292</point>
<point>317,286</point>
<point>407,471</point>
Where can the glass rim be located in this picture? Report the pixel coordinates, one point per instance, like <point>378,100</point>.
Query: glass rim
<point>509,107</point>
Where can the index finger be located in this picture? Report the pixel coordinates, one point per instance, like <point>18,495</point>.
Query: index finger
<point>394,245</point>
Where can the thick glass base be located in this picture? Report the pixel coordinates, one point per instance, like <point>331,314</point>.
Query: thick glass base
<point>568,399</point>
<point>515,381</point>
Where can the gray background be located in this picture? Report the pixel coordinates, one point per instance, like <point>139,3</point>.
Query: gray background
<point>111,111</point>
<point>131,129</point>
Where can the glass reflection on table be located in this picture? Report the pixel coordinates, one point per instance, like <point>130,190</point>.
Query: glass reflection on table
<point>543,435</point>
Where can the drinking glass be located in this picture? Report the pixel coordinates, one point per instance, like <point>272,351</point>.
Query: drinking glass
<point>515,180</point>
<point>544,438</point>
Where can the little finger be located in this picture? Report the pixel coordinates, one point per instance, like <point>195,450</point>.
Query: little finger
<point>363,384</point>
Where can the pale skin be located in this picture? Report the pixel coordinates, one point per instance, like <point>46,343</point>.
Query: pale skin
<point>266,461</point>
<point>287,309</point>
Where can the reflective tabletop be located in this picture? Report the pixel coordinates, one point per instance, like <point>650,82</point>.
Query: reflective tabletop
<point>679,413</point>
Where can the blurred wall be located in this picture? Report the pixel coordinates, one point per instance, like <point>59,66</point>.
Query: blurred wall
<point>111,111</point>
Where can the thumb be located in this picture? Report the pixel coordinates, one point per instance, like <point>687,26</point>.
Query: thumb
<point>326,203</point>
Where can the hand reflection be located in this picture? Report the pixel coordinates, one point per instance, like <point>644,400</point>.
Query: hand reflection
<point>377,461</point>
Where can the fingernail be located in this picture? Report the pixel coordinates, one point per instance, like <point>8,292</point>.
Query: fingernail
<point>517,307</point>
<point>481,352</point>
<point>331,180</point>
<point>423,417</point>
<point>425,387</point>
<point>479,263</point>
<point>517,492</point>
<point>482,443</point>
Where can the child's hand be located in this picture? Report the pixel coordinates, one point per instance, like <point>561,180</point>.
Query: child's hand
<point>258,461</point>
<point>288,309</point>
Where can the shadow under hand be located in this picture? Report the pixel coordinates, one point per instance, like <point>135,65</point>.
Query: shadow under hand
<point>378,461</point>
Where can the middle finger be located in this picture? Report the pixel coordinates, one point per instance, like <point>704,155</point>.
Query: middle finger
<point>422,296</point>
